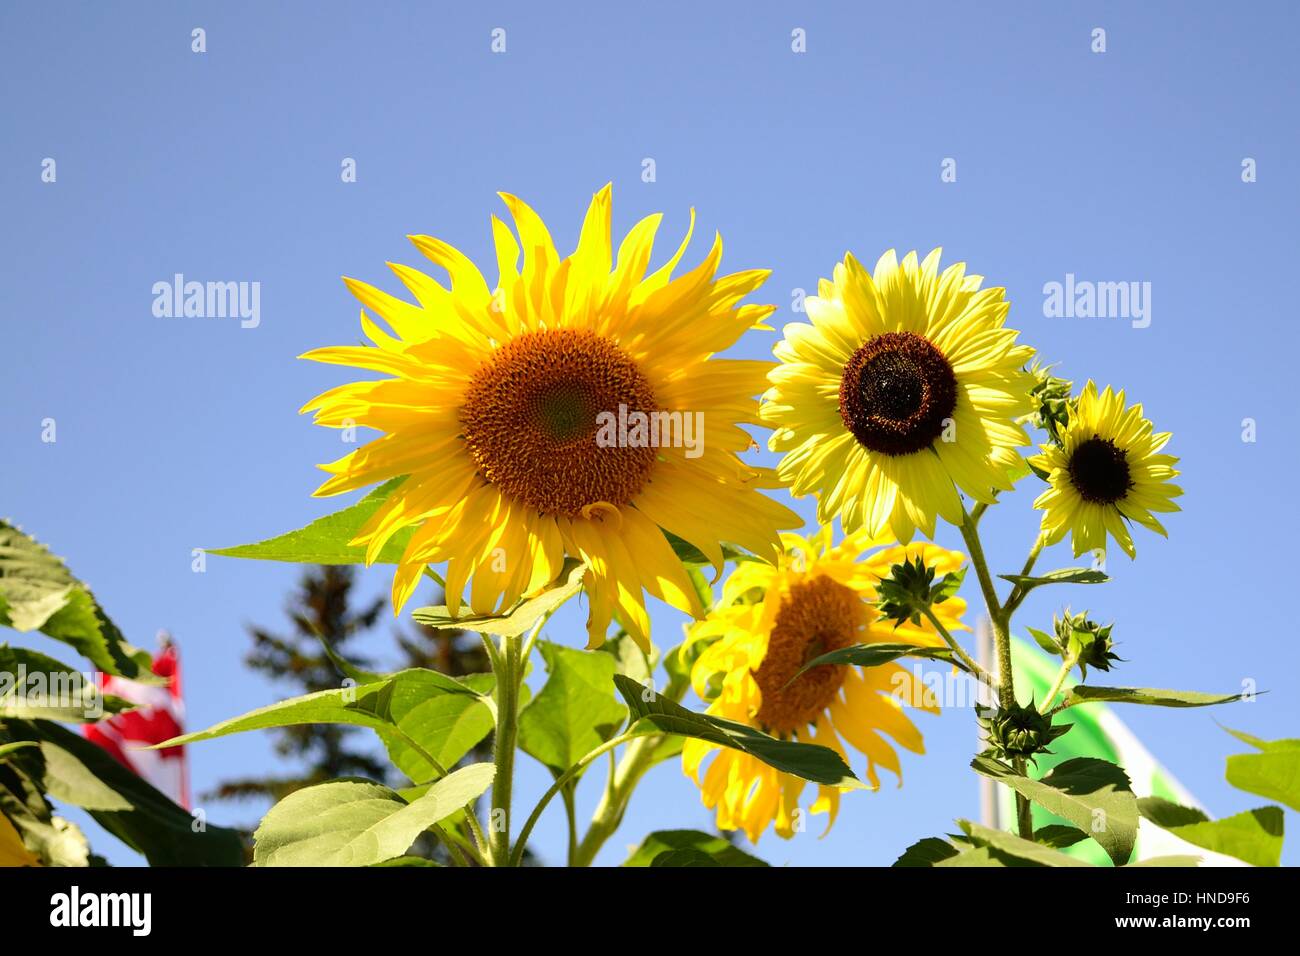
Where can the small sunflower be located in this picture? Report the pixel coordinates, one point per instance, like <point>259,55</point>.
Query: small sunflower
<point>770,621</point>
<point>1107,468</point>
<point>903,390</point>
<point>497,400</point>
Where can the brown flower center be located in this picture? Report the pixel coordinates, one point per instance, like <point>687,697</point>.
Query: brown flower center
<point>530,419</point>
<point>1099,471</point>
<point>818,616</point>
<point>896,393</point>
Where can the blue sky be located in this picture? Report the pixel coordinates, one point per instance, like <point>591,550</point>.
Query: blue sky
<point>1116,166</point>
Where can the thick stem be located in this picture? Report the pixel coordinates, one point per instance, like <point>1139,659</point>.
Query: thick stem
<point>971,664</point>
<point>613,804</point>
<point>1000,618</point>
<point>1001,632</point>
<point>507,665</point>
<point>560,782</point>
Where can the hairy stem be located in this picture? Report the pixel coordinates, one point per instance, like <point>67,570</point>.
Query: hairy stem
<point>507,666</point>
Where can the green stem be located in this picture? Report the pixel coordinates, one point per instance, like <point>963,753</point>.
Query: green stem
<point>559,784</point>
<point>972,665</point>
<point>613,804</point>
<point>1066,666</point>
<point>1000,618</point>
<point>1019,592</point>
<point>503,750</point>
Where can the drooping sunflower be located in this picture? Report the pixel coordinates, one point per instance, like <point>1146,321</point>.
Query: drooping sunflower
<point>1107,468</point>
<point>574,409</point>
<point>771,621</point>
<point>902,392</point>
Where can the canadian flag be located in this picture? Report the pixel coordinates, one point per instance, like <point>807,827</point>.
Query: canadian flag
<point>158,716</point>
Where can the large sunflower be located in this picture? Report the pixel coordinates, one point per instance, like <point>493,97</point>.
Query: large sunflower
<point>902,391</point>
<point>771,621</point>
<point>1108,468</point>
<point>499,405</point>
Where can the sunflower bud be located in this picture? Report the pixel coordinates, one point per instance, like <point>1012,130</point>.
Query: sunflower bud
<point>1088,642</point>
<point>910,590</point>
<point>1017,732</point>
<point>1051,396</point>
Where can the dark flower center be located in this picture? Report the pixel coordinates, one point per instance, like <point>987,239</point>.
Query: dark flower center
<point>1099,471</point>
<point>897,393</point>
<point>817,616</point>
<point>530,419</point>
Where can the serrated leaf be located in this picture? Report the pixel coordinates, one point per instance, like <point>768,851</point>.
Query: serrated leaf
<point>325,540</point>
<point>1094,795</point>
<point>575,710</point>
<point>928,851</point>
<point>979,856</point>
<point>518,619</point>
<point>1172,860</point>
<point>1274,774</point>
<point>1045,641</point>
<point>1261,744</point>
<point>443,715</point>
<point>1028,582</point>
<point>358,823</point>
<point>686,848</point>
<point>1169,815</point>
<point>1254,836</point>
<point>808,761</point>
<point>873,655</point>
<point>77,771</point>
<point>689,554</point>
<point>1086,694</point>
<point>1059,835</point>
<point>1018,847</point>
<point>33,685</point>
<point>39,593</point>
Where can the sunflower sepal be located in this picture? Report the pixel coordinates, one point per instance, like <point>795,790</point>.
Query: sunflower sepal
<point>1017,732</point>
<point>1053,404</point>
<point>911,590</point>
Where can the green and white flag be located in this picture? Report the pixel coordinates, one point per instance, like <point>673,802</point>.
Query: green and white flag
<point>1098,732</point>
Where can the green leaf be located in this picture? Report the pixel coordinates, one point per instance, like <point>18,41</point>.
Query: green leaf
<point>689,554</point>
<point>629,659</point>
<point>873,655</point>
<point>1016,846</point>
<point>444,716</point>
<point>1059,835</point>
<point>979,856</point>
<point>518,619</point>
<point>1094,795</point>
<point>39,593</point>
<point>574,712</point>
<point>325,540</point>
<point>1260,744</point>
<point>1274,774</point>
<point>33,685</point>
<point>408,861</point>
<point>76,771</point>
<point>1169,815</point>
<point>1254,836</point>
<point>1045,641</point>
<point>1085,694</point>
<point>447,724</point>
<point>1172,860</point>
<point>650,711</point>
<point>688,848</point>
<point>929,851</point>
<point>357,823</point>
<point>1028,582</point>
